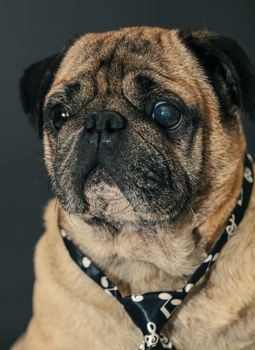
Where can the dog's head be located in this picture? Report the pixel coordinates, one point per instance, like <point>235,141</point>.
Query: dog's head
<point>140,125</point>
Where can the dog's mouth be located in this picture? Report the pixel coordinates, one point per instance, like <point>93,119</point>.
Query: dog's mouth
<point>97,176</point>
<point>110,209</point>
<point>106,203</point>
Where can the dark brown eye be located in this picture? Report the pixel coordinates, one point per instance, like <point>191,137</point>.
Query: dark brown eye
<point>59,116</point>
<point>167,115</point>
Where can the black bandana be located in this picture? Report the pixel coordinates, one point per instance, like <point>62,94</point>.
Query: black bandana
<point>151,311</point>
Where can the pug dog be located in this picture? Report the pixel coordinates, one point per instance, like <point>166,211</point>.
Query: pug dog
<point>144,147</point>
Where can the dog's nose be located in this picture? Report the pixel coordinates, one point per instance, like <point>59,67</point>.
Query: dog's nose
<point>104,127</point>
<point>105,120</point>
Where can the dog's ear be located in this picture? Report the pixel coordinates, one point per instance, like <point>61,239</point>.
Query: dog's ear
<point>229,70</point>
<point>36,82</point>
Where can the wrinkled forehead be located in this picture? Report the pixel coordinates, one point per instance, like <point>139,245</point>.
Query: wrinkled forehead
<point>155,53</point>
<point>139,48</point>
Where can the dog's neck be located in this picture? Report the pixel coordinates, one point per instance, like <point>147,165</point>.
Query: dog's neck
<point>138,262</point>
<point>214,209</point>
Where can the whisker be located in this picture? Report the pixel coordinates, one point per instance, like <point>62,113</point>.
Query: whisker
<point>194,216</point>
<point>121,210</point>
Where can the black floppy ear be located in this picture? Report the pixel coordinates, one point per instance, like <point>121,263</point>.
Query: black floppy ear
<point>34,85</point>
<point>36,82</point>
<point>229,70</point>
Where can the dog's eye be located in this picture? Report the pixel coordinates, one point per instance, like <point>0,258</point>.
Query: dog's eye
<point>167,115</point>
<point>59,116</point>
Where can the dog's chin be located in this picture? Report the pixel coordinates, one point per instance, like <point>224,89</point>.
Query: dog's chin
<point>109,210</point>
<point>107,206</point>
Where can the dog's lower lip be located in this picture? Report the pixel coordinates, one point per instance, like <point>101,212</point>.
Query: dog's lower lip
<point>97,175</point>
<point>92,176</point>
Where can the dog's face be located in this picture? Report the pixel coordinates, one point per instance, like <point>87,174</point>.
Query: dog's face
<point>140,125</point>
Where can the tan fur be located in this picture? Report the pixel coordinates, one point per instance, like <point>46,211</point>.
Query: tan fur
<point>219,314</point>
<point>71,312</point>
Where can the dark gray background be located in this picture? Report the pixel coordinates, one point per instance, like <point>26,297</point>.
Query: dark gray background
<point>31,30</point>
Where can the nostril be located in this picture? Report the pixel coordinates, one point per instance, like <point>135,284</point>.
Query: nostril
<point>89,123</point>
<point>108,125</point>
<point>117,123</point>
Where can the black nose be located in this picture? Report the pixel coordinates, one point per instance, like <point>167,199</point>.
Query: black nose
<point>105,120</point>
<point>104,127</point>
